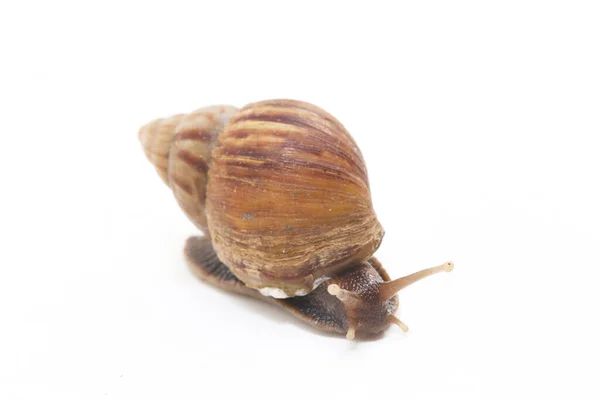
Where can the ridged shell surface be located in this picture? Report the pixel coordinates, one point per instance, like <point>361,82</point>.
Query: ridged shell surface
<point>288,199</point>
<point>179,147</point>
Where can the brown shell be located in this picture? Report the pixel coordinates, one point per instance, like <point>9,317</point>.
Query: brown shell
<point>179,147</point>
<point>288,198</point>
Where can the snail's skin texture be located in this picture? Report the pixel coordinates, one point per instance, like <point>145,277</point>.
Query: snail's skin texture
<point>319,308</point>
<point>280,190</point>
<point>359,302</point>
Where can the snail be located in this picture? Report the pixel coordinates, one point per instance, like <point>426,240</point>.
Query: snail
<point>280,190</point>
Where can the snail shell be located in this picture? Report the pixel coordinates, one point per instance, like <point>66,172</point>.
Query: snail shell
<point>280,190</point>
<point>179,147</point>
<point>280,186</point>
<point>288,198</point>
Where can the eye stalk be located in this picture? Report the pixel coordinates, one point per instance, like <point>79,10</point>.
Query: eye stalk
<point>370,302</point>
<point>388,289</point>
<point>344,295</point>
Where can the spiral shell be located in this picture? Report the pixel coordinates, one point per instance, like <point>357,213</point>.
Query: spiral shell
<point>179,147</point>
<point>288,199</point>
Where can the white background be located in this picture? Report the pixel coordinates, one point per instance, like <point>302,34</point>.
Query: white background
<point>479,122</point>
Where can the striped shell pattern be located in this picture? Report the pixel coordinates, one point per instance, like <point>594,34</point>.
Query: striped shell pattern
<point>279,186</point>
<point>179,148</point>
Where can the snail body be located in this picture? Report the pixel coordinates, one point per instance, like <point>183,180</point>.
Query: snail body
<point>280,190</point>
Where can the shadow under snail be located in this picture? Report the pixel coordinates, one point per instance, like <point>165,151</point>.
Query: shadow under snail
<point>280,190</point>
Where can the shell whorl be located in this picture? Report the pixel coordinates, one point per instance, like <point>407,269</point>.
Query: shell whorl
<point>180,147</point>
<point>288,200</point>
